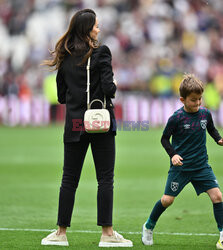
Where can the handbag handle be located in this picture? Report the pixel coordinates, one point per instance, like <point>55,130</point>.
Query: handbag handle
<point>88,87</point>
<point>96,100</point>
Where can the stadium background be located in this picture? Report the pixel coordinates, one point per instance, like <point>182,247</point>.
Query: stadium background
<point>153,42</point>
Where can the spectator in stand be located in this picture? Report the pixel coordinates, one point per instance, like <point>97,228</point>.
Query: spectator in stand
<point>187,33</point>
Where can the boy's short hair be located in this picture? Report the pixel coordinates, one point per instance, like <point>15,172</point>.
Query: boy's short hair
<point>190,84</point>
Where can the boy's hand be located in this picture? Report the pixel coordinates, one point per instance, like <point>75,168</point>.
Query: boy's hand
<point>115,82</point>
<point>177,160</point>
<point>220,142</point>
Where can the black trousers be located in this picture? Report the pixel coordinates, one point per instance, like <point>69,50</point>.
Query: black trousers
<point>103,150</point>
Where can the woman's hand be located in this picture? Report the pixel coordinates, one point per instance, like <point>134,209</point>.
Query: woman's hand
<point>177,160</point>
<point>115,82</point>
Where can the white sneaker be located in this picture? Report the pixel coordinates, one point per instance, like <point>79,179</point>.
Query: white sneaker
<point>116,240</point>
<point>147,236</point>
<point>56,240</point>
<point>219,245</point>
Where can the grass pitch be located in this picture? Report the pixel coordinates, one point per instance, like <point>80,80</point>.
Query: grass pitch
<point>31,162</point>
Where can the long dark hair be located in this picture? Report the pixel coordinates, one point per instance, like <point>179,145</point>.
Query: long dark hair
<point>76,39</point>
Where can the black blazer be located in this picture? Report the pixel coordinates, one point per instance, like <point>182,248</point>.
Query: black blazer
<point>72,84</point>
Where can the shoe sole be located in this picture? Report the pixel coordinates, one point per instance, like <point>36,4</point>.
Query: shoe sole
<point>110,244</point>
<point>54,243</point>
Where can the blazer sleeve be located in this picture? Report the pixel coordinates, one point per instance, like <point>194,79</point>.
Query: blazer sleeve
<point>106,73</point>
<point>61,87</point>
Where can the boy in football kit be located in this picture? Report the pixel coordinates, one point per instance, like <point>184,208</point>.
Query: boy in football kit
<point>188,154</point>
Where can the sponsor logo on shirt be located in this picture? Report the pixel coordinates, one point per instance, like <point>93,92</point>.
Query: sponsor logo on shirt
<point>186,126</point>
<point>203,124</point>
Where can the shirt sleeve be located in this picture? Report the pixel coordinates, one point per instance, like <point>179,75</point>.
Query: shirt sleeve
<point>213,132</point>
<point>61,87</point>
<point>167,133</point>
<point>106,73</point>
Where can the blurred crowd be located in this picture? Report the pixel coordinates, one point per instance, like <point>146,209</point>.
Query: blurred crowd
<point>153,42</point>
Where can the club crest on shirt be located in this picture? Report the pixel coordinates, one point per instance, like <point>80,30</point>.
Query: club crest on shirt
<point>203,124</point>
<point>174,186</point>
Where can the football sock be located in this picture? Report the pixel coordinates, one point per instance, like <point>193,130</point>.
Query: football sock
<point>155,214</point>
<point>218,214</point>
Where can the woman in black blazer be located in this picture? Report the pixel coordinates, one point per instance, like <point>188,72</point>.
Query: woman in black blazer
<point>70,59</point>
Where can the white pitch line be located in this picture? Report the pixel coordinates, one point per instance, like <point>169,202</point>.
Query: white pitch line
<point>92,232</point>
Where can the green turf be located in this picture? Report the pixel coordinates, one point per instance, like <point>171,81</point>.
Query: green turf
<point>31,162</point>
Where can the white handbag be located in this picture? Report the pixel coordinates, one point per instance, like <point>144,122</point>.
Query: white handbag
<point>95,120</point>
